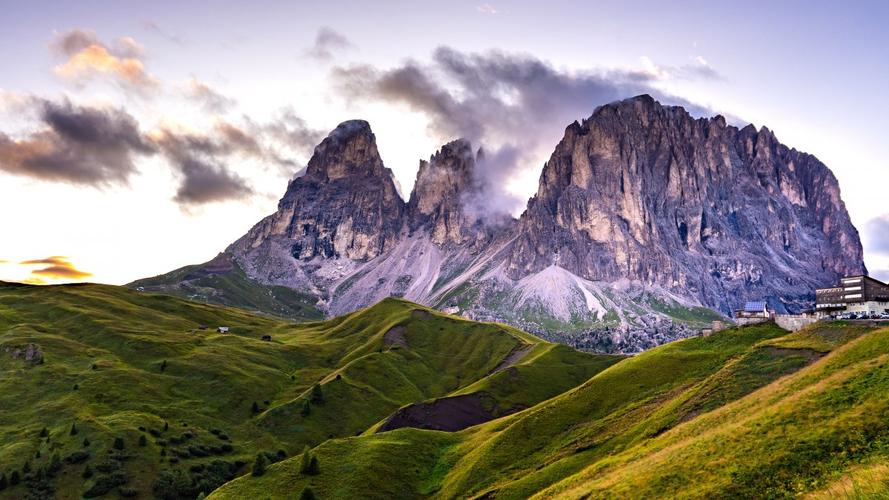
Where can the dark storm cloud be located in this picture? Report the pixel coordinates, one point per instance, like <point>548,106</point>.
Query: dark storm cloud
<point>78,145</point>
<point>519,103</point>
<point>327,43</point>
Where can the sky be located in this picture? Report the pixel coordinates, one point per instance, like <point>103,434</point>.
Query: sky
<point>139,137</point>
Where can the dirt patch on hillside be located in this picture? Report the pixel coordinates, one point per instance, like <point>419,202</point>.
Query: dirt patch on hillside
<point>395,336</point>
<point>420,314</point>
<point>515,355</point>
<point>446,414</point>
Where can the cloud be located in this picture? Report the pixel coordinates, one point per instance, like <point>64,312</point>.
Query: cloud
<point>153,27</point>
<point>198,159</point>
<point>87,58</point>
<point>327,43</point>
<point>208,98</point>
<point>877,231</point>
<point>57,268</point>
<point>487,8</point>
<point>76,144</point>
<point>514,106</point>
<point>697,69</point>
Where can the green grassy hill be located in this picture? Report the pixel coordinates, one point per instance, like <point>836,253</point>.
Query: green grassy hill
<point>221,281</point>
<point>108,391</point>
<point>751,412</point>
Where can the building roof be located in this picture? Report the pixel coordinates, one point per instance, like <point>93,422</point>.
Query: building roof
<point>756,306</point>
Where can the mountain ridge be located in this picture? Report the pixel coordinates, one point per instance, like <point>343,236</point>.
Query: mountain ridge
<point>645,218</point>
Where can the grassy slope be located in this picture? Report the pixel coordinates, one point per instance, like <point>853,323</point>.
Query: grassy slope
<point>226,284</point>
<point>747,412</point>
<point>111,343</point>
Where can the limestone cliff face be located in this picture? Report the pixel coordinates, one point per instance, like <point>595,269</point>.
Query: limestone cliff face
<point>345,205</point>
<point>645,192</point>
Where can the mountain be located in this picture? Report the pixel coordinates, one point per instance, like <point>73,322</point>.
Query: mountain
<point>750,412</point>
<point>647,225</point>
<point>82,366</point>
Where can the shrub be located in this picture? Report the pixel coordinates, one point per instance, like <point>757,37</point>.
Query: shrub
<point>128,492</point>
<point>87,472</point>
<point>76,387</point>
<point>142,440</point>
<point>14,478</point>
<point>86,442</point>
<point>307,408</point>
<point>164,365</point>
<point>307,494</point>
<point>259,465</point>
<point>44,432</point>
<point>108,465</point>
<point>255,408</point>
<point>27,467</point>
<point>317,394</point>
<point>78,457</point>
<point>105,484</point>
<point>73,428</point>
<point>2,481</point>
<point>118,443</point>
<point>171,485</point>
<point>309,463</point>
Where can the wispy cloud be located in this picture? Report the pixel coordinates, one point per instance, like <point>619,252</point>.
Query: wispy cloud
<point>207,97</point>
<point>87,58</point>
<point>153,27</point>
<point>327,43</point>
<point>487,8</point>
<point>55,268</point>
<point>513,105</point>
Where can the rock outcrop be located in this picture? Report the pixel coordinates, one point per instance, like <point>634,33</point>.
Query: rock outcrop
<point>646,220</point>
<point>645,192</point>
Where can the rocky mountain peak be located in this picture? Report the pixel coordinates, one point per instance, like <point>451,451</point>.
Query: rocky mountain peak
<point>350,150</point>
<point>646,192</point>
<point>441,190</point>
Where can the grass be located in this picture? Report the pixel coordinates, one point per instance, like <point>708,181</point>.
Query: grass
<point>750,412</point>
<point>123,364</point>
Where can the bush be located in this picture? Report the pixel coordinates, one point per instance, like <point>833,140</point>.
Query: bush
<point>254,408</point>
<point>307,408</point>
<point>2,481</point>
<point>118,443</point>
<point>78,457</point>
<point>259,465</point>
<point>44,432</point>
<point>14,478</point>
<point>73,428</point>
<point>108,465</point>
<point>27,467</point>
<point>317,394</point>
<point>309,463</point>
<point>128,492</point>
<point>105,484</point>
<point>142,440</point>
<point>307,494</point>
<point>87,472</point>
<point>171,485</point>
<point>86,442</point>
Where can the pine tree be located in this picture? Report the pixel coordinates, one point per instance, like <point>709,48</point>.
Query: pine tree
<point>73,428</point>
<point>86,442</point>
<point>164,365</point>
<point>118,443</point>
<point>307,494</point>
<point>201,496</point>
<point>44,433</point>
<point>2,481</point>
<point>142,440</point>
<point>307,408</point>
<point>317,394</point>
<point>37,455</point>
<point>254,408</point>
<point>27,467</point>
<point>309,463</point>
<point>260,464</point>
<point>14,478</point>
<point>87,472</point>
<point>166,426</point>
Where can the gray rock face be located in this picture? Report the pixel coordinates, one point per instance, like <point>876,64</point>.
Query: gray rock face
<point>645,221</point>
<point>645,192</point>
<point>346,204</point>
